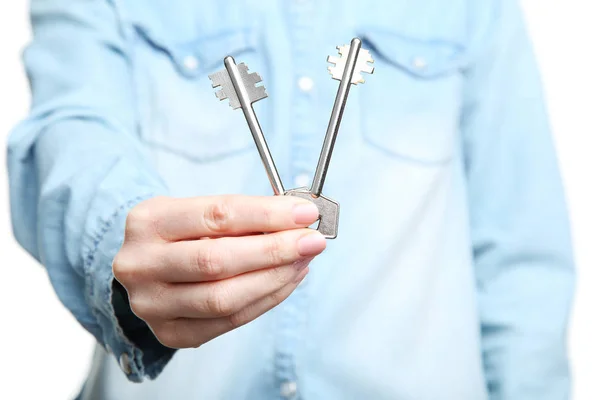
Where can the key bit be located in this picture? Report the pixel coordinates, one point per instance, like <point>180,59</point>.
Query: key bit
<point>363,62</point>
<point>249,81</point>
<point>329,211</point>
<point>347,70</point>
<point>239,86</point>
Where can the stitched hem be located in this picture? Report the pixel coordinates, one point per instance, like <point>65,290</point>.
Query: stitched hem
<point>104,311</point>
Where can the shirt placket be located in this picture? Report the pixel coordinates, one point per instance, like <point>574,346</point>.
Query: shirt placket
<point>304,149</point>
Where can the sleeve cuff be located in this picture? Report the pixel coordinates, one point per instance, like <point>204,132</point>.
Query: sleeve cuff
<point>138,356</point>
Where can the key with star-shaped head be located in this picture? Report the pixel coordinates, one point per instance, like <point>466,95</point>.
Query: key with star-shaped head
<point>347,68</point>
<point>239,86</point>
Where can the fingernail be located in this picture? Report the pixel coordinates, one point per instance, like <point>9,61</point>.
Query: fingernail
<point>311,244</point>
<point>300,277</point>
<point>302,264</point>
<point>305,213</point>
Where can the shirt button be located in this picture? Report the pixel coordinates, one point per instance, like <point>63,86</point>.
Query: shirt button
<point>288,389</point>
<point>190,63</point>
<point>124,363</point>
<point>419,63</point>
<point>301,180</point>
<point>306,84</point>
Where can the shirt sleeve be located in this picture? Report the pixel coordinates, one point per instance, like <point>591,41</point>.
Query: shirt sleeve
<point>76,166</point>
<point>520,229</point>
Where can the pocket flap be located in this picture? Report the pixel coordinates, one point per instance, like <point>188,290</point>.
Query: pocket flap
<point>424,58</point>
<point>204,53</point>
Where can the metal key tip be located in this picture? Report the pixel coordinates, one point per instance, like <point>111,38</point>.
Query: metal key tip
<point>363,62</point>
<point>220,94</point>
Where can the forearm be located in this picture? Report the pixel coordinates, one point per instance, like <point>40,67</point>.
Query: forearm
<point>520,229</point>
<point>76,165</point>
<point>70,198</point>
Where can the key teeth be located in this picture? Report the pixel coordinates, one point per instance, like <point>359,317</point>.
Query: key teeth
<point>213,80</point>
<point>250,80</point>
<point>234,105</point>
<point>261,93</point>
<point>255,77</point>
<point>363,64</point>
<point>333,60</point>
<point>220,95</point>
<point>343,49</point>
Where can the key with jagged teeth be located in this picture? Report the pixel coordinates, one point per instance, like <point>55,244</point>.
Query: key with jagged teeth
<point>348,69</point>
<point>239,86</point>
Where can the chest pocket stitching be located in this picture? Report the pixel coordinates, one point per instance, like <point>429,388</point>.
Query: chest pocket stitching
<point>208,49</point>
<point>219,140</point>
<point>419,67</point>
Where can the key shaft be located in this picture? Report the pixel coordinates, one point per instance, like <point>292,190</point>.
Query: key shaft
<point>254,125</point>
<point>336,119</point>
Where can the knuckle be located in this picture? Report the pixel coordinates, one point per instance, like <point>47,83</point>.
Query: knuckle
<point>136,263</point>
<point>170,334</point>
<point>238,319</point>
<point>218,301</point>
<point>141,307</point>
<point>281,275</point>
<point>124,267</point>
<point>246,315</point>
<point>268,215</point>
<point>139,215</point>
<point>142,219</point>
<point>275,250</point>
<point>277,297</point>
<point>209,262</point>
<point>218,216</point>
<point>160,300</point>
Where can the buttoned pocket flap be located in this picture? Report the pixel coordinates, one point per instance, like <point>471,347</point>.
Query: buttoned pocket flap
<point>411,105</point>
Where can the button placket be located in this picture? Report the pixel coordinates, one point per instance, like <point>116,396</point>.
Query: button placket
<point>302,161</point>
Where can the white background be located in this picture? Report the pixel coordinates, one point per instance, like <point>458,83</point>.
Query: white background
<point>45,354</point>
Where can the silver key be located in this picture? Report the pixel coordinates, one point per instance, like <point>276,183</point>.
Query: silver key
<point>347,69</point>
<point>240,88</point>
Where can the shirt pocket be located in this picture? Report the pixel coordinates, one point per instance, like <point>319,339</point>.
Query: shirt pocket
<point>177,107</point>
<point>411,106</point>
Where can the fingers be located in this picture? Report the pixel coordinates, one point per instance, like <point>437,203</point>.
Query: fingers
<point>194,218</point>
<point>229,296</point>
<point>215,259</point>
<point>186,332</point>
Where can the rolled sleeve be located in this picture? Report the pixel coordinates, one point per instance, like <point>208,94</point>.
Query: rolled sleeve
<point>76,167</point>
<point>520,228</point>
<point>126,336</point>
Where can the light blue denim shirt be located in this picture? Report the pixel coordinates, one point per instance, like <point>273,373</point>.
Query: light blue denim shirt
<point>452,275</point>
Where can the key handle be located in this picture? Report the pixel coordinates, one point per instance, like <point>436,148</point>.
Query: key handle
<point>329,211</point>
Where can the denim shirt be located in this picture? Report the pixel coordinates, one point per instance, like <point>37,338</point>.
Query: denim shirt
<point>452,274</point>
